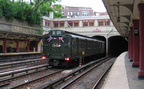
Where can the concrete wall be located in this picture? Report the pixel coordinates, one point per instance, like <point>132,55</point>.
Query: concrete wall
<point>92,31</point>
<point>18,26</point>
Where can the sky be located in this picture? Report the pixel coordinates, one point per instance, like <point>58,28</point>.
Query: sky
<point>96,5</point>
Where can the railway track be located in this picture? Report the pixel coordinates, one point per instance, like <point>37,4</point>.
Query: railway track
<point>12,69</point>
<point>48,78</point>
<point>26,80</point>
<point>89,78</point>
<point>19,63</point>
<point>40,80</point>
<point>74,79</point>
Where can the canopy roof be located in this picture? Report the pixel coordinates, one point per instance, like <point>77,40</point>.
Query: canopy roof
<point>122,12</point>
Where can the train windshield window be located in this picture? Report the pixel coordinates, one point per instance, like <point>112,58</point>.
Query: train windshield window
<point>57,41</point>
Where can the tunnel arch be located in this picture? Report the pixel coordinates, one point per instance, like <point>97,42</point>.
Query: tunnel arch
<point>117,45</point>
<point>100,38</point>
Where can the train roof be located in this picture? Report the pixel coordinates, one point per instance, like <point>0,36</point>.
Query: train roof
<point>75,35</point>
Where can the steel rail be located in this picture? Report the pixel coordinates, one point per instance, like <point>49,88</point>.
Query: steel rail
<point>87,71</point>
<point>20,85</point>
<point>63,78</point>
<point>12,72</point>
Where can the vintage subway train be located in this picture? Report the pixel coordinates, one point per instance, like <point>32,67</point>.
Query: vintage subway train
<point>63,48</point>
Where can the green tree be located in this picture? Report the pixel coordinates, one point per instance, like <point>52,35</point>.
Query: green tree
<point>58,11</point>
<point>6,8</point>
<point>30,12</point>
<point>38,3</point>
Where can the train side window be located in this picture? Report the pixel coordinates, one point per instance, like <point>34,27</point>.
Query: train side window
<point>66,40</point>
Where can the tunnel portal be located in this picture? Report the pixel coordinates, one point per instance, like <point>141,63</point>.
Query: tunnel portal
<point>117,45</point>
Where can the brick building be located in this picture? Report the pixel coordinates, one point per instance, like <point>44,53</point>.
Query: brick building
<point>71,11</point>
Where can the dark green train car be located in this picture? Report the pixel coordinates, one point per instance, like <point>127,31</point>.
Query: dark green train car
<point>63,48</point>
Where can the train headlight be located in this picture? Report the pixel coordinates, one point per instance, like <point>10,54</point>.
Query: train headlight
<point>67,59</point>
<point>43,57</point>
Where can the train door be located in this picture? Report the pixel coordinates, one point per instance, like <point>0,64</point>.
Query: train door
<point>77,41</point>
<point>73,47</point>
<point>66,46</point>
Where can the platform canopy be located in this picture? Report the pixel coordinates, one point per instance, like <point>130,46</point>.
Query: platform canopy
<point>122,12</point>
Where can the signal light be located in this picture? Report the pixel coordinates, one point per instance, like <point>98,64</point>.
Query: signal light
<point>46,34</point>
<point>43,57</point>
<point>67,59</point>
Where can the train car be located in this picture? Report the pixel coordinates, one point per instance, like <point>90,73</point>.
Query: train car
<point>63,48</point>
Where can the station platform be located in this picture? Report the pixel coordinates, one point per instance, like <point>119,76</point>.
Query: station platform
<point>5,57</point>
<point>19,53</point>
<point>122,75</point>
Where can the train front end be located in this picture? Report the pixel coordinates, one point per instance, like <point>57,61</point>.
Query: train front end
<point>56,47</point>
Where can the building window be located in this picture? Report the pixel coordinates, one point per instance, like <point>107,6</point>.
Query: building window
<point>68,13</point>
<point>76,23</point>
<point>62,12</point>
<point>107,22</point>
<point>100,23</point>
<point>91,22</point>
<point>55,24</point>
<point>70,23</point>
<point>71,13</point>
<point>85,13</point>
<point>78,13</point>
<point>61,24</point>
<point>85,22</point>
<point>47,23</point>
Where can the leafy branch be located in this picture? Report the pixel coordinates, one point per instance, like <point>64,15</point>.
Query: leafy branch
<point>30,12</point>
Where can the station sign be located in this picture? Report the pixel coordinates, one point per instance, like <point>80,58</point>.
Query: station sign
<point>136,32</point>
<point>97,30</point>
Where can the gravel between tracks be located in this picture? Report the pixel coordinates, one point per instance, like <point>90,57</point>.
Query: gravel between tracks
<point>89,80</point>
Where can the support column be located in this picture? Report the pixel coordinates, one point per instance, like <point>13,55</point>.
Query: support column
<point>28,45</point>
<point>131,42</point>
<point>80,23</point>
<point>72,24</point>
<point>17,45</point>
<point>135,62</point>
<point>129,45</point>
<point>37,42</point>
<point>4,45</point>
<point>141,29</point>
<point>58,24</point>
<point>65,24</point>
<point>96,23</point>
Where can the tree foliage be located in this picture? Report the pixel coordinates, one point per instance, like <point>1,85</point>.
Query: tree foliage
<point>30,12</point>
